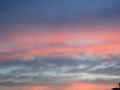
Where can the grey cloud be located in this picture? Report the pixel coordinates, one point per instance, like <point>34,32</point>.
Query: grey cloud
<point>43,70</point>
<point>110,81</point>
<point>59,61</point>
<point>110,70</point>
<point>109,66</point>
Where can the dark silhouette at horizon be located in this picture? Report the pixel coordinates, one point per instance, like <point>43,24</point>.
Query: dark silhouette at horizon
<point>117,88</point>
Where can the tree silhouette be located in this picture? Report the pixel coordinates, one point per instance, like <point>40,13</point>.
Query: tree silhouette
<point>117,88</point>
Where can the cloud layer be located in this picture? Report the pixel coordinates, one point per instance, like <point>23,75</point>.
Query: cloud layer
<point>59,44</point>
<point>59,71</point>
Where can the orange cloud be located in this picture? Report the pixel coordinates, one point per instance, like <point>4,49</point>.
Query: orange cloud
<point>89,86</point>
<point>63,43</point>
<point>72,86</point>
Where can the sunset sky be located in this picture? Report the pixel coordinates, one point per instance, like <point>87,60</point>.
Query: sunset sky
<point>59,44</point>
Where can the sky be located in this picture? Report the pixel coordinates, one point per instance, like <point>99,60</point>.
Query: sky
<point>59,44</point>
